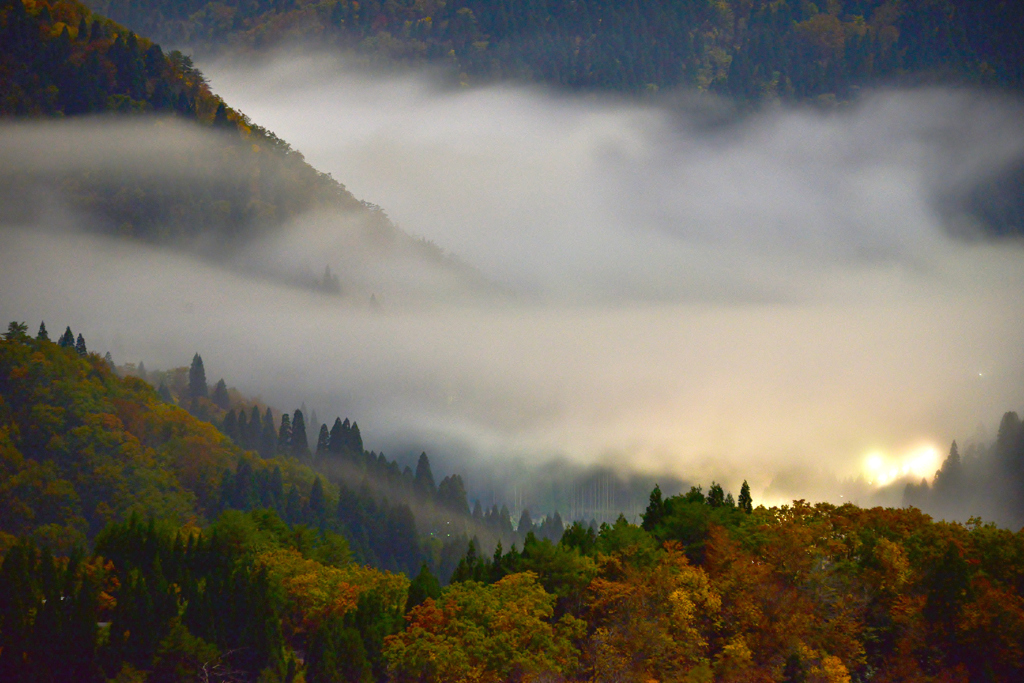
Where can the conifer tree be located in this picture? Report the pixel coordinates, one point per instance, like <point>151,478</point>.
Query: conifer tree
<point>745,502</point>
<point>655,510</point>
<point>165,393</point>
<point>323,441</point>
<point>18,603</point>
<point>232,423</point>
<point>197,387</point>
<point>337,654</point>
<point>242,430</point>
<point>110,360</point>
<point>220,118</point>
<point>949,478</point>
<point>355,440</point>
<point>525,523</point>
<point>284,433</point>
<point>451,493</point>
<point>337,437</point>
<point>424,586</point>
<point>16,331</point>
<point>557,527</point>
<point>299,440</point>
<point>293,506</point>
<point>42,335</point>
<point>255,433</point>
<point>220,395</point>
<point>80,345</point>
<point>67,340</point>
<point>269,437</point>
<point>716,495</point>
<point>143,375</point>
<point>424,481</point>
<point>317,502</point>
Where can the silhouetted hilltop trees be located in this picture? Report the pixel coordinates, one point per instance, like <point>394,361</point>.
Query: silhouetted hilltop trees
<point>986,480</point>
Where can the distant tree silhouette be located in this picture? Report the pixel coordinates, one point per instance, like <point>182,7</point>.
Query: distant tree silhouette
<point>197,387</point>
<point>284,433</point>
<point>220,395</point>
<point>299,440</point>
<point>746,503</point>
<point>424,480</point>
<point>67,340</point>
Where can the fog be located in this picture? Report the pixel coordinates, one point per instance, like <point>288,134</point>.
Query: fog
<point>683,290</point>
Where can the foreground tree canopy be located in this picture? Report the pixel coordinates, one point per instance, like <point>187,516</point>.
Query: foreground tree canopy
<point>138,546</point>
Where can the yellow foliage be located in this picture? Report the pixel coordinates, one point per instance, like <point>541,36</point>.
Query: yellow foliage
<point>657,622</point>
<point>315,592</point>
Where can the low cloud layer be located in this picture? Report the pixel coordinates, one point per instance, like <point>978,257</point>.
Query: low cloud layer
<point>691,292</point>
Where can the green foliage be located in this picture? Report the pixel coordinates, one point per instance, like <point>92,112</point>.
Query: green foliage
<point>48,615</point>
<point>502,631</point>
<point>337,655</point>
<point>655,510</point>
<point>424,586</point>
<point>16,331</point>
<point>580,537</point>
<point>745,502</point>
<point>628,540</point>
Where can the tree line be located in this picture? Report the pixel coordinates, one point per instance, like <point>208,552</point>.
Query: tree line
<point>753,51</point>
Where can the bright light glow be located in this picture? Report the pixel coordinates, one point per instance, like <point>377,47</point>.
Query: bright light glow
<point>918,462</point>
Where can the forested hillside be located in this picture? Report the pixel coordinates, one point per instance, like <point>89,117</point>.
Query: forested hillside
<point>83,447</point>
<point>755,51</point>
<point>181,168</point>
<point>206,561</point>
<point>62,60</point>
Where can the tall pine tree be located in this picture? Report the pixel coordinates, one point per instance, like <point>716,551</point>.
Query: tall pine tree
<point>197,387</point>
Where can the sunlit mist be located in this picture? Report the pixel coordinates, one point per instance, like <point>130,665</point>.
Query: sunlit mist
<point>881,469</point>
<point>790,297</point>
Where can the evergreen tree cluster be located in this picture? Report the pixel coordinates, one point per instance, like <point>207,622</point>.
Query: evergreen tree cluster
<point>986,480</point>
<point>688,516</point>
<point>176,605</point>
<point>49,610</point>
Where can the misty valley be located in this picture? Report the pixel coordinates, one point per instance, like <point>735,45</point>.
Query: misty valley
<point>490,341</point>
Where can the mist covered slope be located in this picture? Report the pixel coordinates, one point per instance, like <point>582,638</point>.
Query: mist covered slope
<point>100,129</point>
<point>984,479</point>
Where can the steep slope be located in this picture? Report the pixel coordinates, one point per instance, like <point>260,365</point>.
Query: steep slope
<point>81,447</point>
<point>174,165</point>
<point>61,60</point>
